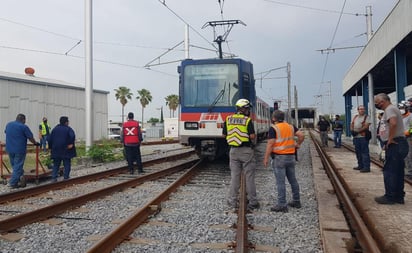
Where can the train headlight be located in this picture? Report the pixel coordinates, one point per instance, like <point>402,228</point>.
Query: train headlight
<point>191,125</point>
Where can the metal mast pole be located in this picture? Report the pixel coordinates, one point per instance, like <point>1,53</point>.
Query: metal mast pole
<point>289,95</point>
<point>296,108</point>
<point>372,111</point>
<point>186,41</point>
<point>88,41</point>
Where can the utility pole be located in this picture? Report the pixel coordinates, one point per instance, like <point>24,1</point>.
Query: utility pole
<point>88,34</point>
<point>289,95</point>
<point>371,88</point>
<point>296,108</point>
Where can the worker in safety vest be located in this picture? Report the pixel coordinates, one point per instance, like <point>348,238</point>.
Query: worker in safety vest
<point>240,133</point>
<point>132,137</point>
<point>281,146</point>
<point>44,132</point>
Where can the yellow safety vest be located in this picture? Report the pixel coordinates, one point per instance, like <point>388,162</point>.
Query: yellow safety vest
<point>236,126</point>
<point>43,128</point>
<point>284,142</point>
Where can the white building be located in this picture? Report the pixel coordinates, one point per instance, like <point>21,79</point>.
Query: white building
<point>38,97</point>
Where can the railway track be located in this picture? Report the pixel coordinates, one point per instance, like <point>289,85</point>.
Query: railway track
<point>154,216</point>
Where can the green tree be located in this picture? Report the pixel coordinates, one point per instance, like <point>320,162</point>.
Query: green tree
<point>123,94</point>
<point>145,98</point>
<point>173,102</point>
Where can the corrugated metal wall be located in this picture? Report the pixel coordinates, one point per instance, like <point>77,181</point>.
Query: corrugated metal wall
<point>36,99</point>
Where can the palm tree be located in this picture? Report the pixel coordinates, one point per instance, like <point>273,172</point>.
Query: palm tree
<point>123,94</point>
<point>173,102</point>
<point>145,98</point>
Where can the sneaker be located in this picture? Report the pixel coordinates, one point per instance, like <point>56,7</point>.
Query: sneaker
<point>283,209</point>
<point>13,186</point>
<point>364,170</point>
<point>22,182</point>
<point>295,204</point>
<point>357,168</point>
<point>254,206</point>
<point>383,200</point>
<point>141,171</point>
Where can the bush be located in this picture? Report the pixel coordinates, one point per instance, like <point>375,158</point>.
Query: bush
<point>101,152</point>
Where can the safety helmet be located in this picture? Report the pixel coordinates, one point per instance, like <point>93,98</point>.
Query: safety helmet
<point>243,103</point>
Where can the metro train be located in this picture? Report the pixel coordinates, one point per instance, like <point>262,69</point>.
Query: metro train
<point>208,91</point>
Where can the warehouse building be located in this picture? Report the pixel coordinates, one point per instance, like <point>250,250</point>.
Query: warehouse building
<point>38,97</point>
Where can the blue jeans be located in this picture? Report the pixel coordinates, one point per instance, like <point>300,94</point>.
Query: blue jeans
<point>393,169</point>
<point>362,152</point>
<point>17,162</point>
<point>56,166</point>
<point>284,167</point>
<point>337,138</point>
<point>43,142</point>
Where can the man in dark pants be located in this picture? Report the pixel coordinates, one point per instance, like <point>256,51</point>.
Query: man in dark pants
<point>323,127</point>
<point>240,133</point>
<point>132,137</point>
<point>17,134</point>
<point>396,149</point>
<point>61,143</point>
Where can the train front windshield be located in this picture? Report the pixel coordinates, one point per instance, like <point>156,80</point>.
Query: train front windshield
<point>210,85</point>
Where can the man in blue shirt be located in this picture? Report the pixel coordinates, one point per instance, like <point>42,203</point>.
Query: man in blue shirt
<point>17,134</point>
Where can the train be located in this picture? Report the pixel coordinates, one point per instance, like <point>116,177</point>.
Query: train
<point>208,91</point>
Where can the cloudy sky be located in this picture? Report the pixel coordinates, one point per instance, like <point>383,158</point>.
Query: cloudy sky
<point>48,35</point>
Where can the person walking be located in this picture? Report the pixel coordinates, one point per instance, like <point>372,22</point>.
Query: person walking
<point>44,132</point>
<point>407,128</point>
<point>359,125</point>
<point>62,145</point>
<point>132,137</point>
<point>281,146</point>
<point>17,134</point>
<point>337,131</point>
<point>396,149</point>
<point>323,127</point>
<point>240,134</point>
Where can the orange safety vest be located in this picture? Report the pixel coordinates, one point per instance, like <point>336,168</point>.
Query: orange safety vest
<point>284,143</point>
<point>131,132</point>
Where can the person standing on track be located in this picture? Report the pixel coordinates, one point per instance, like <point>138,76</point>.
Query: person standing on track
<point>281,146</point>
<point>17,134</point>
<point>359,125</point>
<point>323,127</point>
<point>337,131</point>
<point>240,133</point>
<point>132,137</point>
<point>62,145</point>
<point>396,149</point>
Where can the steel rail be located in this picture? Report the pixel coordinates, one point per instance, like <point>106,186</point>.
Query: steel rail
<point>122,232</point>
<point>33,191</point>
<point>242,244</point>
<point>363,234</point>
<point>20,220</point>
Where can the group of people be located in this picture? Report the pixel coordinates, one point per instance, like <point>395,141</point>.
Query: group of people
<point>324,128</point>
<point>61,142</point>
<point>282,145</point>
<point>394,127</point>
<point>60,139</point>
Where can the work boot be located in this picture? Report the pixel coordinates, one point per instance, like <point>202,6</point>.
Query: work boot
<point>283,209</point>
<point>295,204</point>
<point>22,182</point>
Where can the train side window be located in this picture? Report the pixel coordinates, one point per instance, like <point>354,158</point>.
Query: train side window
<point>246,85</point>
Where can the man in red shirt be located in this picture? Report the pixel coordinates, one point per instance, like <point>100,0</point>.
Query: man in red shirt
<point>132,137</point>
